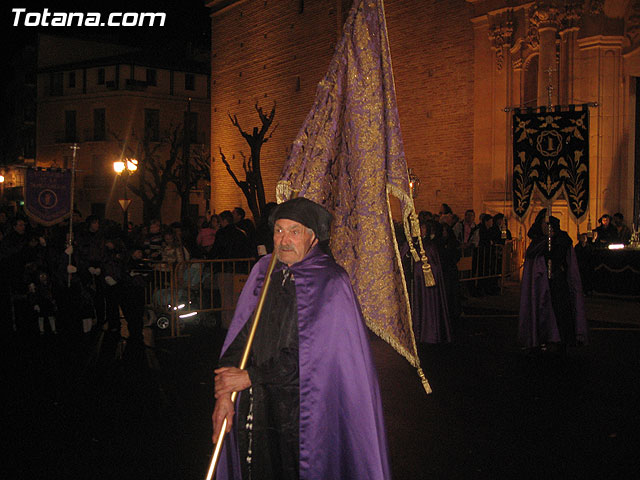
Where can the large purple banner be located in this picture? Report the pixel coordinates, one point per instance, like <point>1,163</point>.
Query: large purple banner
<point>349,157</point>
<point>47,197</point>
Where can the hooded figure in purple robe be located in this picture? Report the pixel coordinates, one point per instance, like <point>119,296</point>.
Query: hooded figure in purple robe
<point>551,309</point>
<point>429,307</point>
<point>309,405</point>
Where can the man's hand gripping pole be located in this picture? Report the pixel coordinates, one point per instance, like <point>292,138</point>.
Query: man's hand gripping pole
<point>243,363</point>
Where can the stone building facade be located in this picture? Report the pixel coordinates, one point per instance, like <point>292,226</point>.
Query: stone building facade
<point>559,53</point>
<point>105,97</point>
<point>458,66</point>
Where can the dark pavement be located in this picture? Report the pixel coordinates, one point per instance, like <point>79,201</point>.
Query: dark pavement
<point>496,411</point>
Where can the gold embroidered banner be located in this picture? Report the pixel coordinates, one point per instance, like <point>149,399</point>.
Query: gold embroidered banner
<point>551,155</point>
<point>348,156</point>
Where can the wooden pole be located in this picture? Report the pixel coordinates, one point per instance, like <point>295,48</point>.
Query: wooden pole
<point>245,358</point>
<point>73,186</point>
<point>243,363</point>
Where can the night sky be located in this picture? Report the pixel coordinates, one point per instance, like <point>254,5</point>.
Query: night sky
<point>187,25</point>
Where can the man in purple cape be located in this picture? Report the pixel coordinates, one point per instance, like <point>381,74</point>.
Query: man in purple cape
<point>551,309</point>
<point>310,404</point>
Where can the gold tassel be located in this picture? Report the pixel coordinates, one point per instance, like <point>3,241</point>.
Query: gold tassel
<point>425,382</point>
<point>411,229</point>
<point>429,281</point>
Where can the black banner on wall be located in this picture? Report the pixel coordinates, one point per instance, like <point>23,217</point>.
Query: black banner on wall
<point>551,154</point>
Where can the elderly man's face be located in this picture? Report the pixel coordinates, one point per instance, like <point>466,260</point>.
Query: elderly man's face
<point>292,241</point>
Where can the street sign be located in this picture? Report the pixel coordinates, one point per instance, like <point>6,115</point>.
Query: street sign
<point>124,204</point>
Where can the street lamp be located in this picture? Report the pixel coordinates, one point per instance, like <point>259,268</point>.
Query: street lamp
<point>1,188</point>
<point>414,183</point>
<point>125,168</point>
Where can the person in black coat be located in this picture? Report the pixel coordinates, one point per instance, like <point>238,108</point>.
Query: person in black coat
<point>264,233</point>
<point>584,256</point>
<point>133,280</point>
<point>450,253</point>
<point>231,242</point>
<point>606,232</point>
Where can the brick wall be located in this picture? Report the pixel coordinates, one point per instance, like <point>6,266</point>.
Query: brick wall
<point>261,48</point>
<point>432,51</point>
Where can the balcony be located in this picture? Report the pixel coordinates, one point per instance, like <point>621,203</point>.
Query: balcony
<point>89,135</point>
<point>135,85</point>
<point>60,136</point>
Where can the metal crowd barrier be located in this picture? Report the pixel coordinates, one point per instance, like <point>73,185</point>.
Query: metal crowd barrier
<point>195,292</point>
<point>485,262</point>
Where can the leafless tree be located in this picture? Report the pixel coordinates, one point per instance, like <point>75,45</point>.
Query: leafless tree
<point>252,186</point>
<point>192,164</point>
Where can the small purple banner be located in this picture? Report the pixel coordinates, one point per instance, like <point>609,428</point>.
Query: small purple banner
<point>47,197</point>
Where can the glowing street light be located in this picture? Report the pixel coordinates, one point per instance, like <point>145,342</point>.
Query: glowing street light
<point>124,168</point>
<point>414,183</point>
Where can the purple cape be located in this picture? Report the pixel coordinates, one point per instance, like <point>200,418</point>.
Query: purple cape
<point>537,321</point>
<point>430,308</point>
<point>342,433</point>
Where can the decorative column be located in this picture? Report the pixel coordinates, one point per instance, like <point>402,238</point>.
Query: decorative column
<point>570,19</point>
<point>501,28</point>
<point>501,36</point>
<point>546,18</point>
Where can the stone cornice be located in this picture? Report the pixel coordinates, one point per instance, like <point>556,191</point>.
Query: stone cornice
<point>632,25</point>
<point>501,34</point>
<point>498,11</point>
<point>216,7</point>
<point>601,41</point>
<point>546,15</point>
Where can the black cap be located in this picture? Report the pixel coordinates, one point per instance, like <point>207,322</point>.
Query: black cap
<point>310,214</point>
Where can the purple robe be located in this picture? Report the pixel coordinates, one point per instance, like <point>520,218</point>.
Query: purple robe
<point>342,433</point>
<point>430,307</point>
<point>537,321</point>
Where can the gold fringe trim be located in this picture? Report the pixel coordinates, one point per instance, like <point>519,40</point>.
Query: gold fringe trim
<point>395,344</point>
<point>412,229</point>
<point>407,206</point>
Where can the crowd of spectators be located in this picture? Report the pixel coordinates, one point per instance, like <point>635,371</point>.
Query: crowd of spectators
<point>447,238</point>
<point>611,230</point>
<point>51,285</point>
<point>458,237</point>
